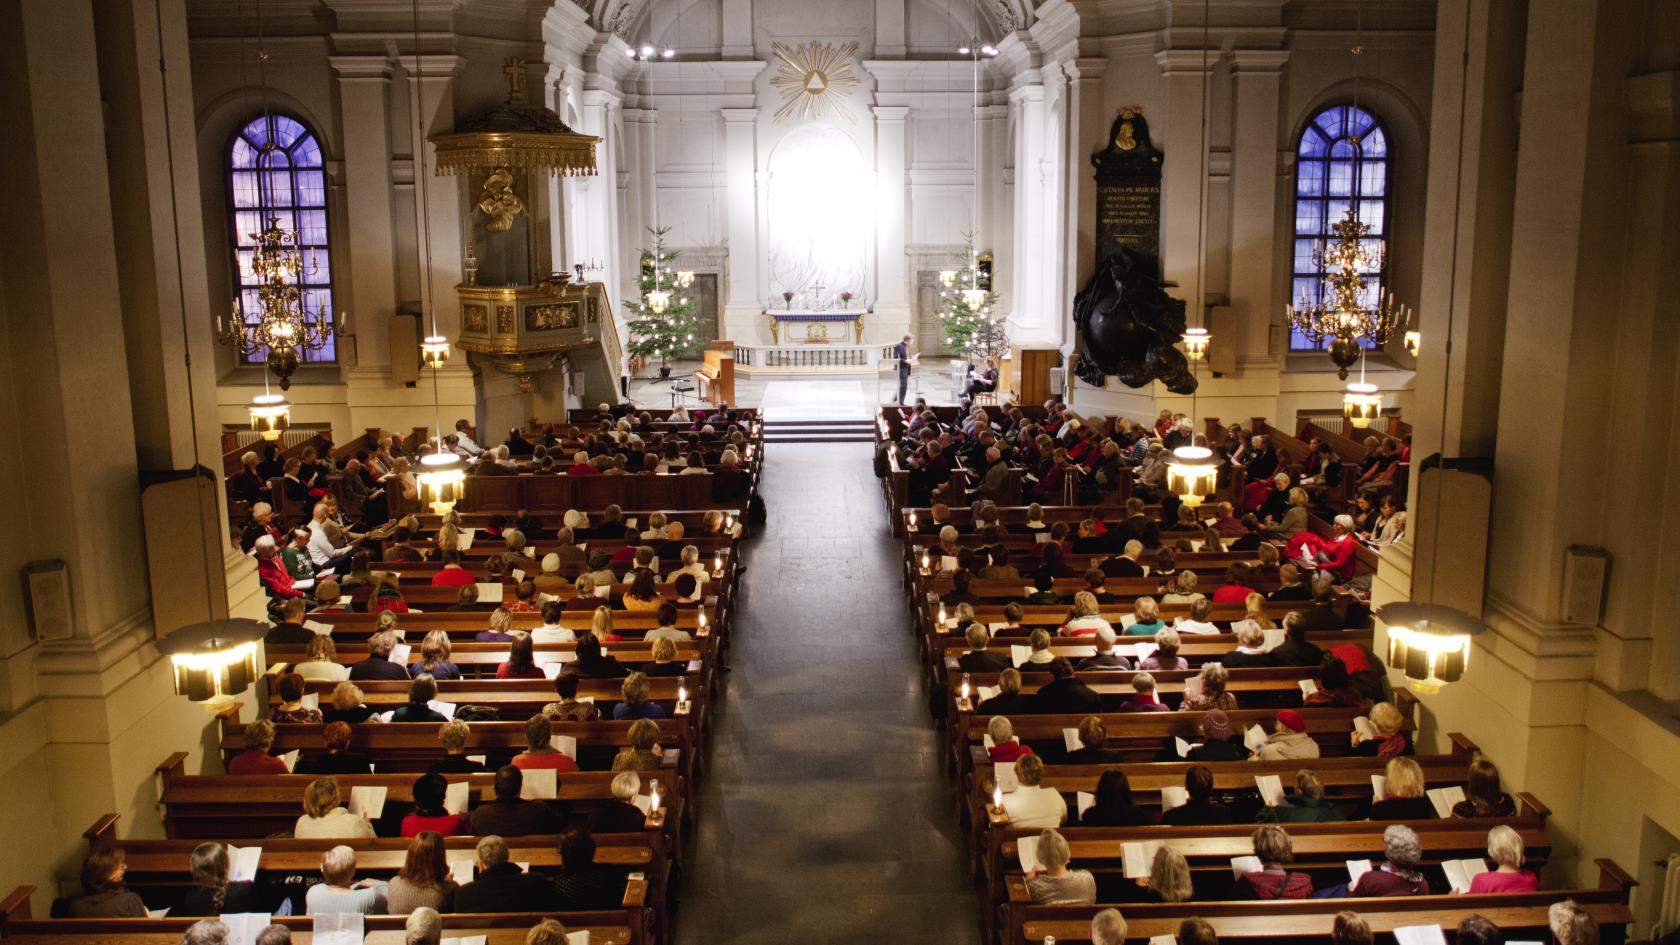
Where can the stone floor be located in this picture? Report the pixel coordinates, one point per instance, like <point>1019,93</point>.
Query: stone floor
<point>826,815</point>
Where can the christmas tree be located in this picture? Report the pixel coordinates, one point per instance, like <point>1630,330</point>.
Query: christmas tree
<point>664,320</point>
<point>967,311</point>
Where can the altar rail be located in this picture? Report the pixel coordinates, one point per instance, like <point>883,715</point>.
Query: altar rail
<point>816,356</point>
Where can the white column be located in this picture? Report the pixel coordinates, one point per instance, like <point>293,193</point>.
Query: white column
<point>1030,310</point>
<point>1254,199</point>
<point>364,90</point>
<point>737,29</point>
<point>595,208</point>
<point>889,29</point>
<point>742,314</point>
<point>1182,172</point>
<point>431,95</point>
<point>1087,130</point>
<point>892,281</point>
<point>561,253</point>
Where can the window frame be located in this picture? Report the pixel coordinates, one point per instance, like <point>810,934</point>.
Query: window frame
<point>1377,282</point>
<point>317,288</point>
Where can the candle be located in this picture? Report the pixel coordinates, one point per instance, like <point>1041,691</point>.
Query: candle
<point>965,689</point>
<point>653,796</point>
<point>997,796</point>
<point>682,692</point>
<point>942,615</point>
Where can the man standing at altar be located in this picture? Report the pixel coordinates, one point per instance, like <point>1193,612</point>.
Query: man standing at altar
<point>905,358</point>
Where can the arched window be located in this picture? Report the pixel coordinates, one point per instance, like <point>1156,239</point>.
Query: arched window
<point>1341,161</point>
<point>275,171</point>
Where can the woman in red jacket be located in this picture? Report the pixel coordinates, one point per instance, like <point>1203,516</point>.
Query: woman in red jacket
<point>1006,748</point>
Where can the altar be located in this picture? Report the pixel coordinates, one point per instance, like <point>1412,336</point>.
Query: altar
<point>817,324</point>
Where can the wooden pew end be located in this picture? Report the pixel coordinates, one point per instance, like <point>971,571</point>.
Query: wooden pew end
<point>103,833</point>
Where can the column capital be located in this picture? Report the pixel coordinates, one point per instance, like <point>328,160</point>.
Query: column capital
<point>433,66</point>
<point>891,112</point>
<point>737,116</point>
<point>1186,60</point>
<point>1258,60</point>
<point>1085,68</point>
<point>361,67</point>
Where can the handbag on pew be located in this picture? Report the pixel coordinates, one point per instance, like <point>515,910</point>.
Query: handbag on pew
<point>477,713</point>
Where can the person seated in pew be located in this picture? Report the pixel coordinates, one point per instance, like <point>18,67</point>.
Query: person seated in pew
<point>1093,745</point>
<point>1086,541</point>
<point>600,568</point>
<point>635,704</point>
<point>666,615</point>
<point>1571,924</point>
<point>689,558</point>
<point>1306,806</point>
<point>1053,558</point>
<point>550,581</point>
<point>434,657</point>
<point>1169,880</point>
<point>1197,622</point>
<point>1404,795</point>
<point>327,594</point>
<point>1108,928</point>
<point>1114,806</point>
<point>1254,606</point>
<point>260,525</point>
<point>205,932</point>
<point>1055,883</point>
<point>1289,739</point>
<point>591,663</point>
<point>500,628</point>
<point>1290,586</point>
<point>1031,804</point>
<point>620,815</point>
<point>1250,538</point>
<point>452,574</point>
<point>551,631</point>
<point>1335,687</point>
<point>339,892</point>
<point>1201,809</point>
<point>378,664</point>
<point>453,736</point>
<point>1274,879</point>
<point>1043,592</point>
<point>585,597</point>
<point>1143,695</point>
<point>524,597</point>
<point>211,893</point>
<point>1295,650</point>
<point>509,815</point>
<point>429,814</point>
<point>1212,679</point>
<point>1219,742</point>
<point>978,659</point>
<point>255,759</point>
<point>1165,658</point>
<point>1005,746</point>
<point>1350,929</point>
<point>423,883</point>
<point>539,748</point>
<point>1389,741</point>
<point>521,662</point>
<point>1086,620</point>
<point>291,708</point>
<point>643,753</point>
<point>1128,564</point>
<point>582,883</point>
<point>501,886</point>
<point>665,662</point>
<point>337,759</point>
<point>422,691</point>
<point>1146,618</point>
<point>466,600</point>
<point>959,592</point>
<point>1397,874</point>
<point>642,596</point>
<point>348,705</point>
<point>1009,698</point>
<point>290,629</point>
<point>103,894</point>
<point>1483,797</point>
<point>601,625</point>
<point>1182,589</point>
<point>1478,930</point>
<point>324,818</point>
<point>1237,578</point>
<point>1105,658</point>
<point>1505,849</point>
<point>384,594</point>
<point>1065,694</point>
<point>998,568</point>
<point>1251,650</point>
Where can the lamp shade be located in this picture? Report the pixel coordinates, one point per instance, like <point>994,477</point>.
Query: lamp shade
<point>658,300</point>
<point>434,351</point>
<point>441,477</point>
<point>1192,474</point>
<point>1430,643</point>
<point>270,414</point>
<point>1196,343</point>
<point>974,298</point>
<point>1361,404</point>
<point>215,660</point>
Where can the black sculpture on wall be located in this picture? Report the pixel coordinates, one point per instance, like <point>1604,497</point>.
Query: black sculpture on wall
<point>1128,326</point>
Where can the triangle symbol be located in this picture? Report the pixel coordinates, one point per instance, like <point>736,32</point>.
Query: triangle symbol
<point>815,82</point>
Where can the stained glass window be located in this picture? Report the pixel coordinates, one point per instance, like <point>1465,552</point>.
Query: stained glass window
<point>275,171</point>
<point>1341,162</point>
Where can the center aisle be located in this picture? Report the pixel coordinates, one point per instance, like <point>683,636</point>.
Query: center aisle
<point>825,816</point>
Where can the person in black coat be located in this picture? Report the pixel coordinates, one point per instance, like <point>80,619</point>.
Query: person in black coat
<point>211,892</point>
<point>1009,700</point>
<point>583,883</point>
<point>621,815</point>
<point>1202,809</point>
<point>1064,694</point>
<point>508,815</point>
<point>1114,807</point>
<point>290,629</point>
<point>502,886</point>
<point>378,664</point>
<point>1137,527</point>
<point>1093,742</point>
<point>1295,650</point>
<point>591,664</point>
<point>1218,741</point>
<point>959,593</point>
<point>978,659</point>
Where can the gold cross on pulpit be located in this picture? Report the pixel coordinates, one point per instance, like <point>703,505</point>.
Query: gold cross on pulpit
<point>515,72</point>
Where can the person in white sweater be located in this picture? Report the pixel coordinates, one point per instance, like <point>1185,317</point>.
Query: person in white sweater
<point>324,819</point>
<point>339,892</point>
<point>1031,804</point>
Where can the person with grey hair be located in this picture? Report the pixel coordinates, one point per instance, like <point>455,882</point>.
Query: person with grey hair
<point>502,886</point>
<point>1108,927</point>
<point>274,935</point>
<point>205,932</point>
<point>1337,556</point>
<point>1571,924</point>
<point>379,664</point>
<point>620,815</point>
<point>1398,874</point>
<point>1054,883</point>
<point>424,927</point>
<point>339,891</point>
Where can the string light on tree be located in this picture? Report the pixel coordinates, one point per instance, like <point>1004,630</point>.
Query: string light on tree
<point>664,324</point>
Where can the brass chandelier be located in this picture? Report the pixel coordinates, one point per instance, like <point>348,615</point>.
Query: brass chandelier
<point>1338,319</point>
<point>284,327</point>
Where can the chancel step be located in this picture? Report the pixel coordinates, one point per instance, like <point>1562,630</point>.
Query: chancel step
<point>818,431</point>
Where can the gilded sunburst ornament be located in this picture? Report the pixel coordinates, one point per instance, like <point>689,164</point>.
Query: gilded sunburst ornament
<point>814,79</point>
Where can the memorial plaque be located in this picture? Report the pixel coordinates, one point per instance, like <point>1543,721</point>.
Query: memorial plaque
<point>1128,188</point>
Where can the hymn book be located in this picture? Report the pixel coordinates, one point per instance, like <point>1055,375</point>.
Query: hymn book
<point>1172,796</point>
<point>1444,798</point>
<point>1245,864</point>
<point>456,797</point>
<point>242,863</point>
<point>1420,935</point>
<point>1356,869</point>
<point>538,785</point>
<point>242,927</point>
<point>368,802</point>
<point>1137,858</point>
<point>1461,872</point>
<point>1271,789</point>
<point>338,928</point>
<point>565,745</point>
<point>1027,849</point>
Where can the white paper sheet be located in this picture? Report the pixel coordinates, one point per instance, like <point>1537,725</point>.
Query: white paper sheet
<point>242,863</point>
<point>947,563</point>
<point>643,803</point>
<point>456,797</point>
<point>1019,654</point>
<point>338,928</point>
<point>1181,746</point>
<point>1085,801</point>
<point>466,940</point>
<point>1271,789</point>
<point>1379,787</point>
<point>489,591</point>
<point>1420,935</point>
<point>368,801</point>
<point>319,629</point>
<point>1245,864</point>
<point>538,785</point>
<point>1444,798</point>
<point>1254,738</point>
<point>291,759</point>
<point>477,759</point>
<point>565,745</point>
<point>445,709</point>
<point>1137,858</point>
<point>1356,869</point>
<point>1174,797</point>
<point>466,539</point>
<point>1163,940</point>
<point>461,866</point>
<point>310,700</point>
<point>988,692</point>
<point>400,653</point>
<point>1363,726</point>
<point>1027,849</point>
<point>986,741</point>
<point>1004,773</point>
<point>243,927</point>
<point>1308,687</point>
<point>1461,872</point>
<point>580,937</point>
<point>1070,738</point>
<point>1275,637</point>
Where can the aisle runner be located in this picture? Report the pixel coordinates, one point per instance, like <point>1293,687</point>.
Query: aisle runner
<point>815,400</point>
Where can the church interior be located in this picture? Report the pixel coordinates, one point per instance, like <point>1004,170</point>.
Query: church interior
<point>665,472</point>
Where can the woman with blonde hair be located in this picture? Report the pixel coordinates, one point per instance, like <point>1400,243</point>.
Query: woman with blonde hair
<point>349,705</point>
<point>1250,651</point>
<point>1146,618</point>
<point>324,819</point>
<point>1294,517</point>
<point>499,629</point>
<point>448,538</point>
<point>1183,589</point>
<point>1388,741</point>
<point>643,753</point>
<point>1269,560</point>
<point>1085,619</point>
<point>546,932</point>
<point>1165,657</point>
<point>636,704</point>
<point>690,558</point>
<point>321,663</point>
<point>434,657</point>
<point>1053,883</point>
<point>1212,678</point>
<point>1169,878</point>
<point>1505,849</point>
<point>601,626</point>
<point>1403,793</point>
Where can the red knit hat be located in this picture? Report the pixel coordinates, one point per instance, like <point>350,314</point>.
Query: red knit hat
<point>1292,719</point>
